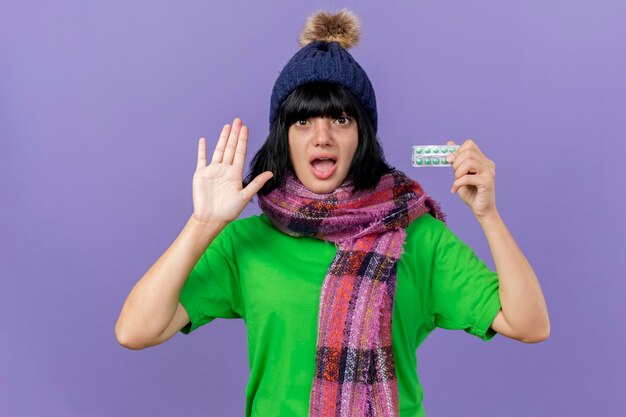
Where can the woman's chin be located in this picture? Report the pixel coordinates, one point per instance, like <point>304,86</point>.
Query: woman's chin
<point>319,186</point>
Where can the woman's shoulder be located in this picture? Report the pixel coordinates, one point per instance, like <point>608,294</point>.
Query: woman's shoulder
<point>243,232</point>
<point>425,227</point>
<point>254,229</point>
<point>249,226</point>
<point>423,234</point>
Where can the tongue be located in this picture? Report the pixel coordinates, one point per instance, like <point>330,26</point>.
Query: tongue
<point>322,165</point>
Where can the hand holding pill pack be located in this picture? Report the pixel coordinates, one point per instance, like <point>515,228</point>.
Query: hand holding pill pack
<point>432,155</point>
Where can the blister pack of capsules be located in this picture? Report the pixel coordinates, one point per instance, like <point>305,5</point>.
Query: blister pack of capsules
<point>432,155</point>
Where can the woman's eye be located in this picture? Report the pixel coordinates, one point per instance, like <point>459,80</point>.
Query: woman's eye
<point>301,122</point>
<point>343,120</point>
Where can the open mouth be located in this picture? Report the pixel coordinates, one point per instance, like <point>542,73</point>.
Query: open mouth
<point>323,167</point>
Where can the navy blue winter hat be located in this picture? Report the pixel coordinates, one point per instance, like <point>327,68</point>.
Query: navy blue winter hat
<point>324,57</point>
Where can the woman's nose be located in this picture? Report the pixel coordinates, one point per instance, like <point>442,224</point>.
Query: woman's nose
<point>323,135</point>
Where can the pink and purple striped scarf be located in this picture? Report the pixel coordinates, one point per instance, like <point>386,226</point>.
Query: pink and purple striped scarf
<point>355,374</point>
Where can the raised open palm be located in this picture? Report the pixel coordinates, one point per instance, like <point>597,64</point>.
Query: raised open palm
<point>218,195</point>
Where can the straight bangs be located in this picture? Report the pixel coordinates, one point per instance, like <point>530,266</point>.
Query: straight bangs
<point>317,99</point>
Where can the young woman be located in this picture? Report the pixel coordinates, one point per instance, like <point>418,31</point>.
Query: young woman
<point>351,264</point>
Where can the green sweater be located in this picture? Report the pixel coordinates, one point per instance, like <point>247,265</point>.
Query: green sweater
<point>273,281</point>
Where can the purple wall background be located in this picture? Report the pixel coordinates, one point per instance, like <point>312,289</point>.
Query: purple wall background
<point>101,107</point>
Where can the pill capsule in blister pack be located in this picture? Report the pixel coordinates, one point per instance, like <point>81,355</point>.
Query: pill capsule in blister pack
<point>432,155</point>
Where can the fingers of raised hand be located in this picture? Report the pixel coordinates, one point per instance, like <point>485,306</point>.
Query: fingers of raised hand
<point>218,153</point>
<point>472,171</point>
<point>485,180</point>
<point>468,149</point>
<point>467,165</point>
<point>240,151</point>
<point>201,154</point>
<point>470,145</point>
<point>256,184</point>
<point>231,144</point>
<point>454,154</point>
<point>463,181</point>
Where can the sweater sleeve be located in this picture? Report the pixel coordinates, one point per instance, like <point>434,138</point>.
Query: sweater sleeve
<point>464,290</point>
<point>212,288</point>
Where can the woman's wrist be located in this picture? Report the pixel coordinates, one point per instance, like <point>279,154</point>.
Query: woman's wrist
<point>490,218</point>
<point>206,230</point>
<point>207,223</point>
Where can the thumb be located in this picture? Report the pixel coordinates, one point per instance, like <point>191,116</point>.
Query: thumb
<point>451,142</point>
<point>256,184</point>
